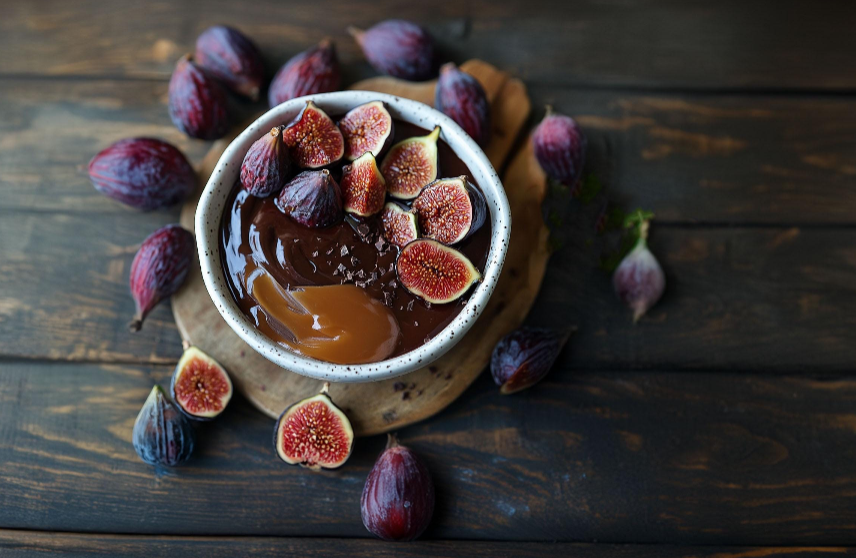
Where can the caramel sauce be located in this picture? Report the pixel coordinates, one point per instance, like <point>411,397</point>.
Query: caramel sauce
<point>289,279</point>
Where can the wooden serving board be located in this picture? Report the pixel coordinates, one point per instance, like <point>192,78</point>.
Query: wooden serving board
<point>386,405</point>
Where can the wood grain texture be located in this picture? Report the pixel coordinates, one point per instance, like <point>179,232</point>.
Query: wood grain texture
<point>704,159</point>
<point>618,457</point>
<point>390,404</point>
<point>638,43</point>
<point>28,543</point>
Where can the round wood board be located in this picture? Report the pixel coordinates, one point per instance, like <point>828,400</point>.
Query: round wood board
<point>390,404</point>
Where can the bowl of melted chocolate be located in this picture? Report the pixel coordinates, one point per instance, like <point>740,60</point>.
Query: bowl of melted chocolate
<point>352,236</point>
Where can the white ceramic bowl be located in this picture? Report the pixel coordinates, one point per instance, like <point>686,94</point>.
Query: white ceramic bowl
<point>210,211</point>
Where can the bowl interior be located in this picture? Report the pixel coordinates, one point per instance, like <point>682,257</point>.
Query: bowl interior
<point>210,209</point>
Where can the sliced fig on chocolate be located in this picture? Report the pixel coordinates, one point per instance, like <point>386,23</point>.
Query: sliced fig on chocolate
<point>314,433</point>
<point>410,165</point>
<point>266,165</point>
<point>363,187</point>
<point>368,127</point>
<point>313,138</point>
<point>449,209</point>
<point>312,198</point>
<point>200,386</point>
<point>435,272</point>
<point>399,224</point>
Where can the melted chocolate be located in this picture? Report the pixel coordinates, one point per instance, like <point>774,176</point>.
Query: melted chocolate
<point>352,251</point>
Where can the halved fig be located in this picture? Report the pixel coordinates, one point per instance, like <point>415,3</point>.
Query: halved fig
<point>367,127</point>
<point>312,198</point>
<point>363,187</point>
<point>313,138</point>
<point>200,386</point>
<point>399,224</point>
<point>449,209</point>
<point>410,165</point>
<point>314,433</point>
<point>437,273</point>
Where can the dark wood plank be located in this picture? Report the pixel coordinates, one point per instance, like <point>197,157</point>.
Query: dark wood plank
<point>789,291</point>
<point>620,457</point>
<point>695,158</point>
<point>645,43</point>
<point>28,543</point>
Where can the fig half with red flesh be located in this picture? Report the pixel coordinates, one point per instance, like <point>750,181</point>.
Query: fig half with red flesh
<point>363,187</point>
<point>368,127</point>
<point>313,138</point>
<point>410,165</point>
<point>435,272</point>
<point>314,433</point>
<point>449,210</point>
<point>399,224</point>
<point>200,386</point>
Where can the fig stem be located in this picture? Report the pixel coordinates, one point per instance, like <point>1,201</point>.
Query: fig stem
<point>185,344</point>
<point>325,388</point>
<point>548,110</point>
<point>356,33</point>
<point>391,440</point>
<point>136,324</point>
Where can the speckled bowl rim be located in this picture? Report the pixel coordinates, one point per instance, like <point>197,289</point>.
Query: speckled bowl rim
<point>210,210</point>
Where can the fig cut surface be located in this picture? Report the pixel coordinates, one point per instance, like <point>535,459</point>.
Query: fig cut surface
<point>314,433</point>
<point>366,128</point>
<point>410,165</point>
<point>200,386</point>
<point>313,138</point>
<point>436,272</point>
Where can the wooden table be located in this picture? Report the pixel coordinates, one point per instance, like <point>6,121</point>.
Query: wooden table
<point>723,424</point>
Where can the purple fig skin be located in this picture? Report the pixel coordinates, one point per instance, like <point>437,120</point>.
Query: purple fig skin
<point>266,165</point>
<point>560,147</point>
<point>461,97</point>
<point>162,436</point>
<point>315,70</point>
<point>145,173</point>
<point>230,56</point>
<point>398,48</point>
<point>639,280</point>
<point>313,199</point>
<point>159,269</point>
<point>398,497</point>
<point>523,357</point>
<point>197,102</point>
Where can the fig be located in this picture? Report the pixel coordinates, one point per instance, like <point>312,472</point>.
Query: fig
<point>159,269</point>
<point>639,280</point>
<point>524,356</point>
<point>312,198</point>
<point>437,273</point>
<point>363,187</point>
<point>461,97</point>
<point>266,165</point>
<point>314,433</point>
<point>398,48</point>
<point>162,435</point>
<point>315,70</point>
<point>399,224</point>
<point>197,103</point>
<point>228,55</point>
<point>313,138</point>
<point>410,165</point>
<point>200,386</point>
<point>449,210</point>
<point>367,127</point>
<point>145,173</point>
<point>398,498</point>
<point>560,148</point>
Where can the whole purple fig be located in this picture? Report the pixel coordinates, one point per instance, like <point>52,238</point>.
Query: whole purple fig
<point>266,165</point>
<point>398,48</point>
<point>461,97</point>
<point>315,70</point>
<point>398,497</point>
<point>233,58</point>
<point>162,436</point>
<point>560,147</point>
<point>197,103</point>
<point>159,269</point>
<point>145,173</point>
<point>524,356</point>
<point>639,280</point>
